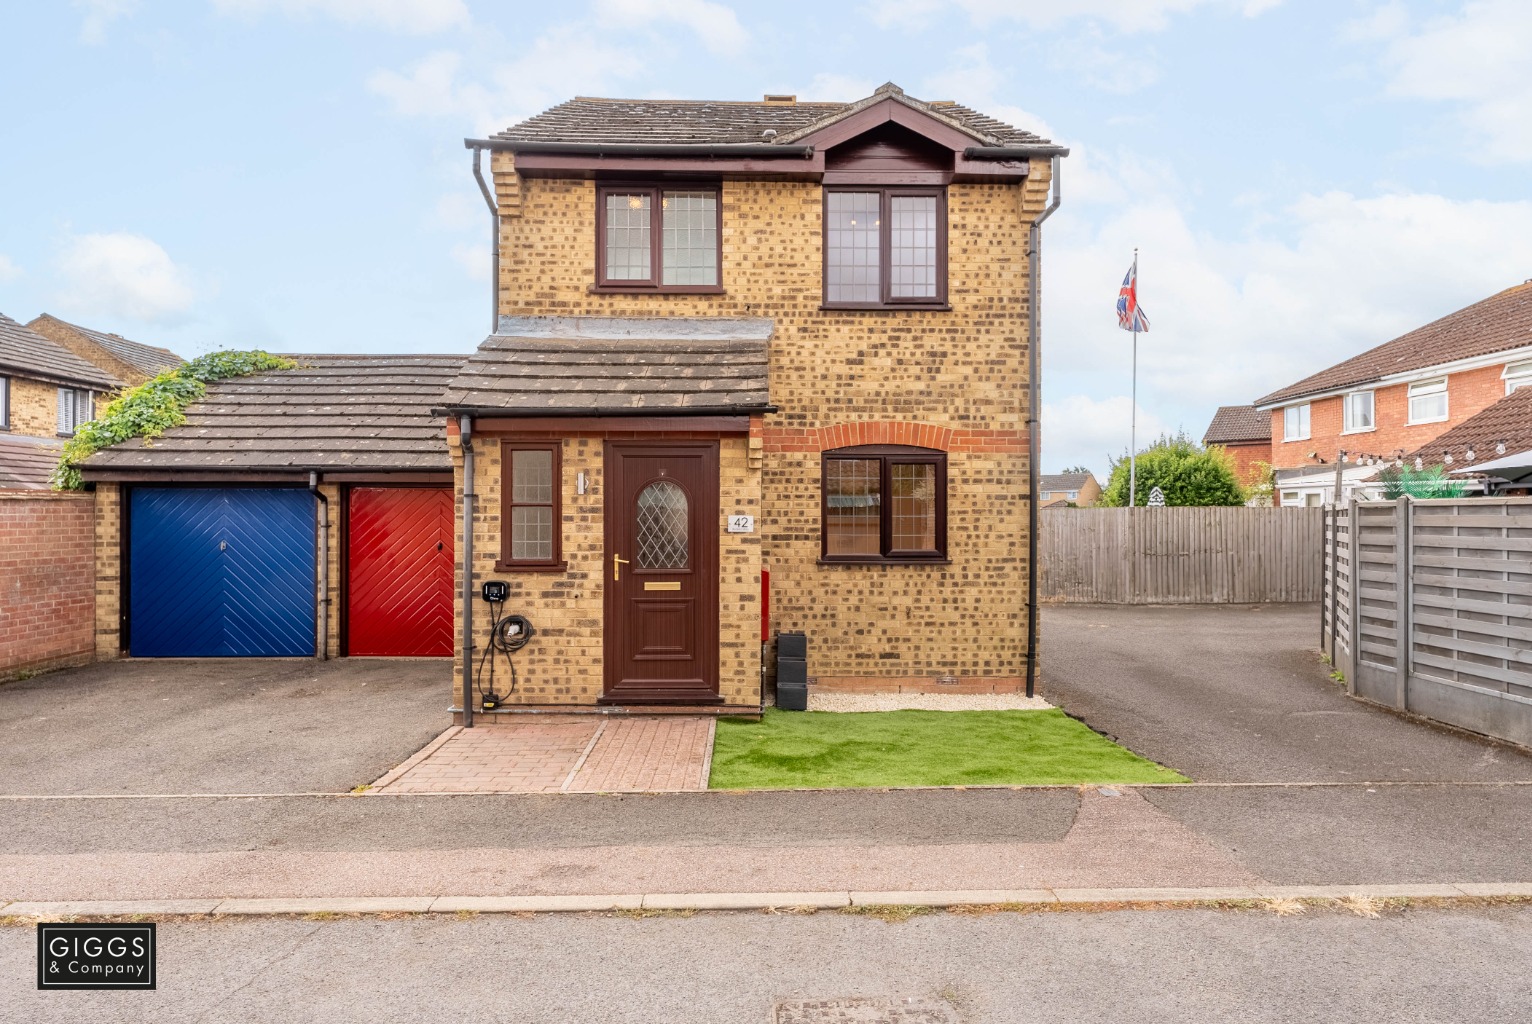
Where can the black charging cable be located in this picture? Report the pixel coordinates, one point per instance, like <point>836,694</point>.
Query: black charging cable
<point>507,634</point>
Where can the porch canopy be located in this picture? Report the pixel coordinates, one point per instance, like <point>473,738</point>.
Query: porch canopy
<point>1513,469</point>
<point>550,366</point>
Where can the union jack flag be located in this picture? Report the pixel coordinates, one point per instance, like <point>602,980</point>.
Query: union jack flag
<point>1130,315</point>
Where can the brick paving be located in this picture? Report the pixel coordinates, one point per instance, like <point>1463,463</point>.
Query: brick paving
<point>562,754</point>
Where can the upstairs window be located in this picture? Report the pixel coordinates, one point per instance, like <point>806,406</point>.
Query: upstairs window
<point>885,248</point>
<point>1428,401</point>
<point>1295,422</point>
<point>1358,413</point>
<point>884,503</point>
<point>75,407</point>
<point>1517,375</point>
<point>658,239</point>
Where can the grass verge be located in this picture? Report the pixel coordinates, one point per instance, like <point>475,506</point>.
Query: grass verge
<point>821,749</point>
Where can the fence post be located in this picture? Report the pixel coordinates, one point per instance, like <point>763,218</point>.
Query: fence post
<point>1329,574</point>
<point>1404,616</point>
<point>1354,627</point>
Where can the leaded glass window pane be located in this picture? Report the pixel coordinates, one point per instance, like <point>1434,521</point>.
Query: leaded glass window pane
<point>851,247</point>
<point>913,512</point>
<point>689,237</point>
<point>532,533</point>
<point>532,477</point>
<point>662,526</point>
<point>853,504</point>
<point>628,236</point>
<point>912,247</point>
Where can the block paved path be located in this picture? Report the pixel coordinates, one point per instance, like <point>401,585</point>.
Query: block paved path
<point>562,754</point>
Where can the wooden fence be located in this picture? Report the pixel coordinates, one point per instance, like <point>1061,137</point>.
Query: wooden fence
<point>1180,555</point>
<point>1428,608</point>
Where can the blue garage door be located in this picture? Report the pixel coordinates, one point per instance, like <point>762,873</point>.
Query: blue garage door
<point>220,572</point>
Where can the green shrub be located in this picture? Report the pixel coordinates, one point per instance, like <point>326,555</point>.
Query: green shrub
<point>155,406</point>
<point>1186,472</point>
<point>1430,482</point>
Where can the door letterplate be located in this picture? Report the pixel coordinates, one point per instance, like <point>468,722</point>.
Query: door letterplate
<point>672,585</point>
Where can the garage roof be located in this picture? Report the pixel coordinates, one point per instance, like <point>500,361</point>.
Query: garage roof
<point>333,413</point>
<point>583,366</point>
<point>27,462</point>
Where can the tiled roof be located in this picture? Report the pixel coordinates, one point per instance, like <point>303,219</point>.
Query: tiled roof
<point>587,119</point>
<point>146,359</point>
<point>1497,324</point>
<point>550,366</point>
<point>1062,481</point>
<point>332,413</point>
<point>1236,424</point>
<point>1508,420</point>
<point>27,462</point>
<point>24,352</point>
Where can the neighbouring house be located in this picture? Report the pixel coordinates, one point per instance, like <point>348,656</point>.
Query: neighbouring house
<point>757,366</point>
<point>298,512</point>
<point>46,391</point>
<point>1491,451</point>
<point>1057,490</point>
<point>130,361</point>
<point>1397,398</point>
<point>1245,433</point>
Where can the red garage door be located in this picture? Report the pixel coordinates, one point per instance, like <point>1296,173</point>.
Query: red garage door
<point>399,571</point>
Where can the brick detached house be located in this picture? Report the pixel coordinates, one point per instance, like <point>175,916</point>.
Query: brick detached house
<point>756,366</point>
<point>1064,489</point>
<point>46,391</point>
<point>1245,433</point>
<point>1397,399</point>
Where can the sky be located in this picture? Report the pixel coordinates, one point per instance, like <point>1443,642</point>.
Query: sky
<point>1303,179</point>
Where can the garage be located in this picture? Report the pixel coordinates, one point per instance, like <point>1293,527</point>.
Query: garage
<point>399,571</point>
<point>220,572</point>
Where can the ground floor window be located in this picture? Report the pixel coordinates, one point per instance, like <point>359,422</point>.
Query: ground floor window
<point>529,524</point>
<point>884,503</point>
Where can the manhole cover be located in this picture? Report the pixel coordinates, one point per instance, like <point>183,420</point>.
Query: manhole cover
<point>913,1010</point>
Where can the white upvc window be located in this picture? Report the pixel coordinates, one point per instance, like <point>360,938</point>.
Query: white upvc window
<point>1358,412</point>
<point>1517,375</point>
<point>1072,495</point>
<point>1295,422</point>
<point>76,406</point>
<point>1428,401</point>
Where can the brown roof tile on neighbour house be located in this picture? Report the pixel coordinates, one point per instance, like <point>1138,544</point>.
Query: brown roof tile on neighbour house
<point>1508,420</point>
<point>593,120</point>
<point>1497,324</point>
<point>553,366</point>
<point>333,413</point>
<point>1062,481</point>
<point>1238,424</point>
<point>24,352</point>
<point>147,359</point>
<point>27,462</point>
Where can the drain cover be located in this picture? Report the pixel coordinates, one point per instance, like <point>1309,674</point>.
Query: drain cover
<point>913,1010</point>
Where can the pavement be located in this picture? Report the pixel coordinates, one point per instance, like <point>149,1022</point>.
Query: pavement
<point>1327,964</point>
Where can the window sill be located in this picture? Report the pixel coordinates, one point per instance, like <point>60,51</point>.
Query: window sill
<point>1295,440</point>
<point>882,307</point>
<point>1426,423</point>
<point>531,567</point>
<point>884,561</point>
<point>670,289</point>
<point>1360,430</point>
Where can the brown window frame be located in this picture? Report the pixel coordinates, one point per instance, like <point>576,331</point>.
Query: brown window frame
<point>654,284</point>
<point>555,563</point>
<point>887,455</point>
<point>885,285</point>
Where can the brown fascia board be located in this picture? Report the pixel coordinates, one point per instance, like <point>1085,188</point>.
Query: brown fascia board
<point>489,412</point>
<point>703,150</point>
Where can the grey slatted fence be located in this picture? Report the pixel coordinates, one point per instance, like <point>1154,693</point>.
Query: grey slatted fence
<point>1437,618</point>
<point>1180,555</point>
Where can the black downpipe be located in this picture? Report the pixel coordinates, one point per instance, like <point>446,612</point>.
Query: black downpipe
<point>1034,397</point>
<point>494,242</point>
<point>465,436</point>
<point>322,641</point>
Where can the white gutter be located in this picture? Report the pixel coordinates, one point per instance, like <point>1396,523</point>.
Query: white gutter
<point>1510,355</point>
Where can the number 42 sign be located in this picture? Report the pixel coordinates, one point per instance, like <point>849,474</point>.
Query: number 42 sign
<point>742,524</point>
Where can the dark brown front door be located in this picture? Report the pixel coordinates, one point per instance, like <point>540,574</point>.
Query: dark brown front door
<point>661,573</point>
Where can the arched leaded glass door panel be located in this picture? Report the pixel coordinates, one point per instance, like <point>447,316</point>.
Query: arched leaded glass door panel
<point>660,526</point>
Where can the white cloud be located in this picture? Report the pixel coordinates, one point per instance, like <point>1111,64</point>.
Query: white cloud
<point>714,24</point>
<point>1109,70</point>
<point>1122,15</point>
<point>473,259</point>
<point>99,14</point>
<point>9,271</point>
<point>1079,430</point>
<point>410,17</point>
<point>123,275</point>
<point>1478,59</point>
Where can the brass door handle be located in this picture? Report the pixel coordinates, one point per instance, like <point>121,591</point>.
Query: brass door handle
<point>617,563</point>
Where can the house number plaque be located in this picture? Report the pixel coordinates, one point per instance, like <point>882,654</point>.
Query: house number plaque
<point>742,524</point>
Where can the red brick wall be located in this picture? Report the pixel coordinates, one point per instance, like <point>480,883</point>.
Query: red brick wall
<point>47,581</point>
<point>1468,392</point>
<point>1250,460</point>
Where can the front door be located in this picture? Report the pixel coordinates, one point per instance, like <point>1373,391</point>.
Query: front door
<point>661,573</point>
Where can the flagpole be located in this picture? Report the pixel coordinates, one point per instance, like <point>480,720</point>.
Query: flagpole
<point>1133,436</point>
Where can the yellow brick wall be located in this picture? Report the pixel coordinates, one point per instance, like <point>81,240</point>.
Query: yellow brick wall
<point>564,662</point>
<point>962,371</point>
<point>35,408</point>
<point>108,571</point>
<point>67,338</point>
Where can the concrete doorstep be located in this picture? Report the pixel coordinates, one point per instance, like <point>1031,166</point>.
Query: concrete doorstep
<point>1061,898</point>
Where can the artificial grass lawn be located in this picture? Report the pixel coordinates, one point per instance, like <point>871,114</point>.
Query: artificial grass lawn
<point>792,749</point>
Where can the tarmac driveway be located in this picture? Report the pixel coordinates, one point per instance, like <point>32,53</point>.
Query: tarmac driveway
<point>217,725</point>
<point>1237,693</point>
